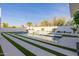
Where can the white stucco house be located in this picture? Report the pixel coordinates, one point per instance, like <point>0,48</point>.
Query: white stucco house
<point>41,30</point>
<point>52,30</point>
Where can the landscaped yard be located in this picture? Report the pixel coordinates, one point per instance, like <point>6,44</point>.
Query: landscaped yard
<point>39,30</point>
<point>23,44</point>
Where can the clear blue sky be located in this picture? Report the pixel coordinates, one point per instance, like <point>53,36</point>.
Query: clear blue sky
<point>0,12</point>
<point>18,14</point>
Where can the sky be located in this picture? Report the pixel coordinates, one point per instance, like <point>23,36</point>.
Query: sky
<point>19,14</point>
<point>0,12</point>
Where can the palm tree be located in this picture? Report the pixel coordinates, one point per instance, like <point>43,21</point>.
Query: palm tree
<point>14,27</point>
<point>57,22</point>
<point>44,23</point>
<point>5,25</point>
<point>29,24</point>
<point>75,21</point>
<point>76,18</point>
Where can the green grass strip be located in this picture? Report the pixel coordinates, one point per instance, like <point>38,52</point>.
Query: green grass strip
<point>44,48</point>
<point>67,48</point>
<point>22,49</point>
<point>1,52</point>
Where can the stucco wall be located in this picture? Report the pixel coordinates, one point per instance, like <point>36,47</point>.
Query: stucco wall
<point>12,29</point>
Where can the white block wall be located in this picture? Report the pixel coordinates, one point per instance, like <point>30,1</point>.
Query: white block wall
<point>12,29</point>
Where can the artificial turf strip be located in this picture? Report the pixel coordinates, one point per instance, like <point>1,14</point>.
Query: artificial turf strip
<point>22,49</point>
<point>67,48</point>
<point>44,48</point>
<point>1,52</point>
